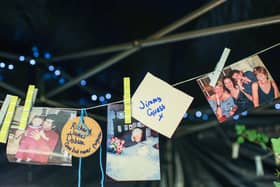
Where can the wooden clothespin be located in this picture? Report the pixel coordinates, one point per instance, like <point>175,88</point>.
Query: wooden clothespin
<point>4,108</point>
<point>127,100</point>
<point>29,101</point>
<point>214,76</point>
<point>10,103</point>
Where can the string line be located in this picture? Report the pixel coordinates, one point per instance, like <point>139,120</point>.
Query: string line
<point>80,172</point>
<point>101,166</point>
<point>80,159</point>
<point>175,84</point>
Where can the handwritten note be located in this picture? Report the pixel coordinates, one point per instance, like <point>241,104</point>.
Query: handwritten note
<point>153,107</point>
<point>158,105</point>
<point>79,141</point>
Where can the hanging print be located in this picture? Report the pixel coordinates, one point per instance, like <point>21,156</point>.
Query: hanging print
<point>132,149</point>
<point>39,142</point>
<point>241,86</point>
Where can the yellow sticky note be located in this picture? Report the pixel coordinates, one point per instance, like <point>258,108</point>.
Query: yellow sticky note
<point>8,119</point>
<point>127,103</point>
<point>27,107</point>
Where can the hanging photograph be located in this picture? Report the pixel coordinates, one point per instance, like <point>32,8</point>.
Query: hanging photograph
<point>40,142</point>
<point>132,149</point>
<point>241,86</point>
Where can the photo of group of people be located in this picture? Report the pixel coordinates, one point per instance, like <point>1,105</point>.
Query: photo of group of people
<point>40,142</point>
<point>242,86</point>
<point>130,147</point>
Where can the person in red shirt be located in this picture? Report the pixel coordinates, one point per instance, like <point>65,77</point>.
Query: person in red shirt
<point>27,143</point>
<point>46,140</point>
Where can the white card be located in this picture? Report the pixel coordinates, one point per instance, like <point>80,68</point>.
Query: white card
<point>158,105</point>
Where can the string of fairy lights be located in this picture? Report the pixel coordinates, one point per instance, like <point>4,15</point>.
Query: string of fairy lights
<point>52,73</point>
<point>55,73</point>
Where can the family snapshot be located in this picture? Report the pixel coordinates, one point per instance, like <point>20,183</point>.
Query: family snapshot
<point>40,141</point>
<point>241,86</point>
<point>130,147</point>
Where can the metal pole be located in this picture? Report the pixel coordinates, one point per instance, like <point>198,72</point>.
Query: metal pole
<point>125,54</point>
<point>45,63</point>
<point>212,30</point>
<point>12,56</point>
<point>185,35</point>
<point>12,89</point>
<point>171,39</point>
<point>125,46</point>
<point>97,51</point>
<point>91,72</point>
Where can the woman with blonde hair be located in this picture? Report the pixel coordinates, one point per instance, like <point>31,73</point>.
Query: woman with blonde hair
<point>264,90</point>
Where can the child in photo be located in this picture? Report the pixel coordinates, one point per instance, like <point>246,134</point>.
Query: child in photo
<point>132,138</point>
<point>47,140</point>
<point>27,141</point>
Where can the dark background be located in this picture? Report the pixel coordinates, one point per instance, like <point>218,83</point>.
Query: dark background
<point>201,148</point>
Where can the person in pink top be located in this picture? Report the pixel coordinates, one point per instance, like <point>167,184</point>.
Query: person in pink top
<point>27,143</point>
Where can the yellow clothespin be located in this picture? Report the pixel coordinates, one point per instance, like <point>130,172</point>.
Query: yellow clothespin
<point>29,100</point>
<point>8,119</point>
<point>127,100</point>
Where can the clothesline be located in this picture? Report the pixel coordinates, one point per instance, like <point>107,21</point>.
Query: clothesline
<point>175,84</point>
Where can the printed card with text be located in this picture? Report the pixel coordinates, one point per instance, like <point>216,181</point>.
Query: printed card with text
<point>158,105</point>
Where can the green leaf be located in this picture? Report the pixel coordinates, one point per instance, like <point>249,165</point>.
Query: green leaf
<point>275,145</point>
<point>276,184</point>
<point>252,135</point>
<point>240,129</point>
<point>240,140</point>
<point>259,137</point>
<point>263,145</point>
<point>277,174</point>
<point>265,138</point>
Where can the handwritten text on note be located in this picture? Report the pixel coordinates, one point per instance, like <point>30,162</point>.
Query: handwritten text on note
<point>154,107</point>
<point>159,105</point>
<point>79,141</point>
